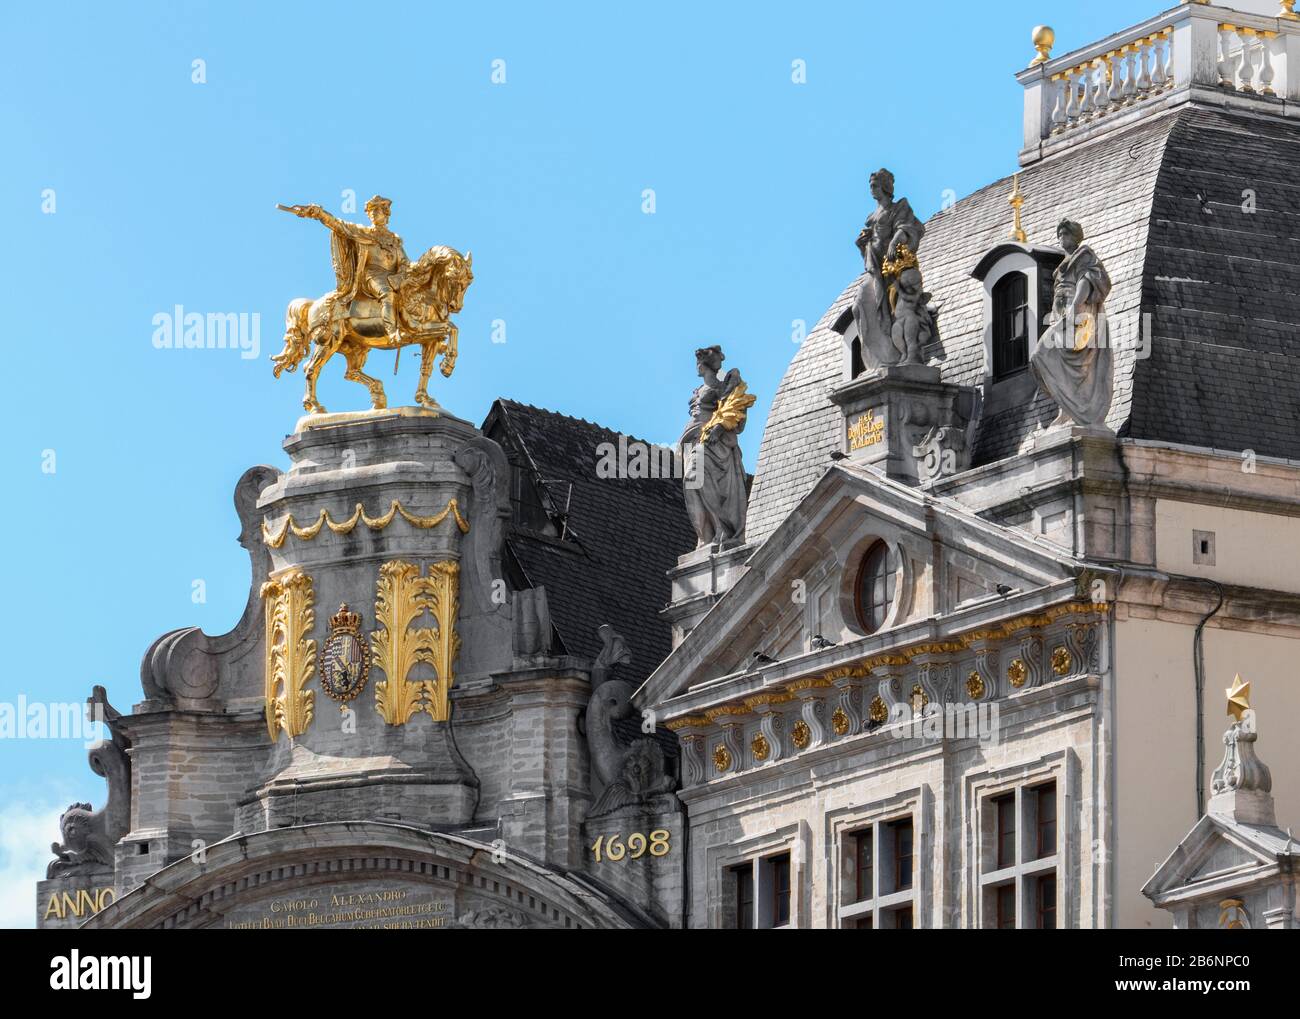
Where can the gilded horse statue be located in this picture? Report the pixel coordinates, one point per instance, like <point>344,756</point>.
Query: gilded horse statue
<point>382,301</point>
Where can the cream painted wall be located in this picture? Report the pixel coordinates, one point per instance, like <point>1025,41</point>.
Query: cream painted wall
<point>1155,797</point>
<point>1251,549</point>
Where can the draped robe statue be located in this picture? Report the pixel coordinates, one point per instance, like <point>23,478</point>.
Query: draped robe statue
<point>889,243</point>
<point>713,472</point>
<point>1073,363</point>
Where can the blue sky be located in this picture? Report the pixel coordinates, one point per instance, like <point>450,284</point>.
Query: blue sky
<point>164,193</point>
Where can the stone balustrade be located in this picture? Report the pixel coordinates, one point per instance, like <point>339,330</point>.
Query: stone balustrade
<point>1193,51</point>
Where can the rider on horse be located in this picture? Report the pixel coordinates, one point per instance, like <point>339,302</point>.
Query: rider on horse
<point>369,260</point>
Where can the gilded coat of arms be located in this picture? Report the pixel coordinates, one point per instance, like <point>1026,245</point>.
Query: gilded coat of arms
<point>344,657</point>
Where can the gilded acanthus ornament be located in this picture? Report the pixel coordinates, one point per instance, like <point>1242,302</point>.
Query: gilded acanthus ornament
<point>402,596</point>
<point>381,301</point>
<point>290,653</point>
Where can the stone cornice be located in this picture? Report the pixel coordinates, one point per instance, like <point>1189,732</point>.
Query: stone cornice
<point>703,707</point>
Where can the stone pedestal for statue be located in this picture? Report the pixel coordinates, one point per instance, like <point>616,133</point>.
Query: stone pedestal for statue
<point>700,578</point>
<point>371,514</point>
<point>907,423</point>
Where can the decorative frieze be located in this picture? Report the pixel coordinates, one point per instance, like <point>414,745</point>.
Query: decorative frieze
<point>1008,658</point>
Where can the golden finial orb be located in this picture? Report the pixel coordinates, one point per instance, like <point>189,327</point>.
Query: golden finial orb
<point>1044,37</point>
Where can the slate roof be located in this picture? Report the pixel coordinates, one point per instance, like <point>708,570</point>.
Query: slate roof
<point>623,535</point>
<point>1220,289</point>
<point>1223,289</point>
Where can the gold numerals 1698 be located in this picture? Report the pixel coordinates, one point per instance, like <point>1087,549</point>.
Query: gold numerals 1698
<point>613,848</point>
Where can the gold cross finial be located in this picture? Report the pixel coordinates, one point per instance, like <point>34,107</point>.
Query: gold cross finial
<point>1017,202</point>
<point>1238,698</point>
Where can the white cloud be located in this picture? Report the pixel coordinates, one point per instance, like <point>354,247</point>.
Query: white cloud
<point>26,831</point>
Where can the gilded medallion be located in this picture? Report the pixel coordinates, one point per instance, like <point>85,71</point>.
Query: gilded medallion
<point>345,657</point>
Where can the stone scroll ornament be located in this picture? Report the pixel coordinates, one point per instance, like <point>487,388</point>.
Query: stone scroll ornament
<point>713,472</point>
<point>892,311</point>
<point>87,836</point>
<point>1073,362</point>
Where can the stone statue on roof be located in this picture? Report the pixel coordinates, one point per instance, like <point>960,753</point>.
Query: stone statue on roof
<point>892,312</point>
<point>713,471</point>
<point>1073,362</point>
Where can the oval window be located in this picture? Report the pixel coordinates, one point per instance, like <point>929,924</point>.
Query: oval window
<point>877,580</point>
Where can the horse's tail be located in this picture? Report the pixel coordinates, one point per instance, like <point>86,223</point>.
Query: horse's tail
<point>296,343</point>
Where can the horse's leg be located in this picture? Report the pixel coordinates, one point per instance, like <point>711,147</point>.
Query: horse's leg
<point>326,347</point>
<point>428,351</point>
<point>356,355</point>
<point>449,353</point>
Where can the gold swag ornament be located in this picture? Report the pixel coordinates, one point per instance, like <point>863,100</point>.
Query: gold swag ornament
<point>381,301</point>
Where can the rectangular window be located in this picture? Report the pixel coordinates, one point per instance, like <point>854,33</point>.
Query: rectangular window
<point>1010,325</point>
<point>1045,800</point>
<point>1046,895</point>
<point>864,865</point>
<point>903,918</point>
<point>863,923</point>
<point>1006,907</point>
<point>780,889</point>
<point>1006,821</point>
<point>902,832</point>
<point>744,885</point>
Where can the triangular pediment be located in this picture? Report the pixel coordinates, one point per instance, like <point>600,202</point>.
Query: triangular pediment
<point>801,581</point>
<point>1215,856</point>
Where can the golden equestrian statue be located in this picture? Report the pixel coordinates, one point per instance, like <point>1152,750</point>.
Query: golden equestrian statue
<point>381,301</point>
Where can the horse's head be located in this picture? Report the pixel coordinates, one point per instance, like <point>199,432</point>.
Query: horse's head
<point>436,284</point>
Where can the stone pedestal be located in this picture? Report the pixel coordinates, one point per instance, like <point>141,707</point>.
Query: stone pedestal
<point>907,423</point>
<point>374,513</point>
<point>700,579</point>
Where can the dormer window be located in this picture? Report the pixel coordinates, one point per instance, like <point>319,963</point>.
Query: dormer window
<point>1017,282</point>
<point>1010,325</point>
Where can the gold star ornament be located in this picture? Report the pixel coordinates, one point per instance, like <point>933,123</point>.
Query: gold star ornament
<point>1238,698</point>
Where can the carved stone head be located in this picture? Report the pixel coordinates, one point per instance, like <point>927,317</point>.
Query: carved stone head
<point>710,358</point>
<point>882,185</point>
<point>1070,234</point>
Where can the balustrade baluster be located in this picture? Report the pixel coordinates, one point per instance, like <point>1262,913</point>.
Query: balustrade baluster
<point>1163,46</point>
<point>1144,72</point>
<point>1266,72</point>
<point>1227,78</point>
<point>1058,108</point>
<point>1116,93</point>
<point>1247,70</point>
<point>1130,74</point>
<point>1085,97</point>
